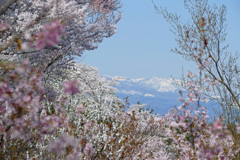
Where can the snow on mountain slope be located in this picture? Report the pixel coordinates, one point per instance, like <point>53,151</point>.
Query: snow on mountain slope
<point>137,80</point>
<point>158,93</point>
<point>157,84</point>
<point>161,84</point>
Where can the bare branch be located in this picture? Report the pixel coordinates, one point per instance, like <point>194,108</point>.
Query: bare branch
<point>6,5</point>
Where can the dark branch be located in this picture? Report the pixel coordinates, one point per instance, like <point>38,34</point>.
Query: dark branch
<point>6,5</point>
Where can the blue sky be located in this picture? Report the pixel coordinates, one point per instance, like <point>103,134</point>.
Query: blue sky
<point>141,46</point>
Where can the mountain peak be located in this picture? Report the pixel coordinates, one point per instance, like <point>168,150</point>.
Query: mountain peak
<point>162,84</point>
<point>137,80</point>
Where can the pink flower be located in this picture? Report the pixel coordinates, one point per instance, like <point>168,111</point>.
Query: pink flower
<point>217,125</point>
<point>49,36</point>
<point>80,109</point>
<point>87,125</point>
<point>2,109</point>
<point>215,82</point>
<point>206,63</point>
<point>238,128</point>
<point>71,87</point>
<point>4,26</point>
<point>88,149</point>
<point>187,113</point>
<point>200,66</point>
<point>26,98</point>
<point>181,99</point>
<point>190,74</point>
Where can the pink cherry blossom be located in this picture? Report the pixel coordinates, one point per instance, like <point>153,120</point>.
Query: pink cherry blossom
<point>71,87</point>
<point>50,35</point>
<point>3,26</point>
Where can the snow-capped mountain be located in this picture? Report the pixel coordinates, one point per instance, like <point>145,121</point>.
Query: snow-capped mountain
<point>158,93</point>
<point>158,84</point>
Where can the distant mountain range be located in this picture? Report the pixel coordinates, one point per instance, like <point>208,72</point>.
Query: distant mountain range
<point>159,93</point>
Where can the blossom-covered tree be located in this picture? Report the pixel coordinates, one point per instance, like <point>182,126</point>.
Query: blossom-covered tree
<point>203,41</point>
<point>48,34</point>
<point>51,33</point>
<point>85,120</point>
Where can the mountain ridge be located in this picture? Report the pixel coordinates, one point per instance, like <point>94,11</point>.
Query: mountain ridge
<point>158,93</point>
<point>161,94</point>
